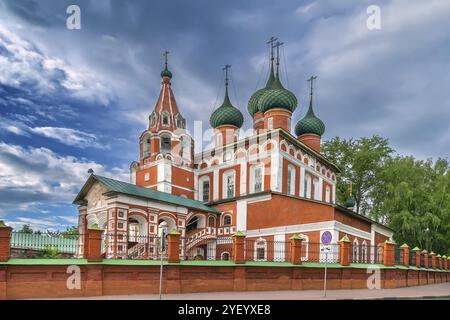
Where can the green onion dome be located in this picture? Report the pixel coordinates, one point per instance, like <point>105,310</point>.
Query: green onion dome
<point>350,202</point>
<point>277,97</point>
<point>226,114</point>
<point>166,73</point>
<point>253,103</point>
<point>310,124</point>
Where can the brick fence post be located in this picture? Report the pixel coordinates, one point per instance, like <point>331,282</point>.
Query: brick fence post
<point>433,260</point>
<point>388,253</point>
<point>296,249</point>
<point>416,251</point>
<point>425,258</point>
<point>405,254</point>
<point>173,249</point>
<point>344,251</point>
<point>444,262</point>
<point>238,247</point>
<point>95,244</point>
<point>439,262</point>
<point>5,242</point>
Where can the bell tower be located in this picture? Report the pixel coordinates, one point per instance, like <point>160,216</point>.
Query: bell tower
<point>166,148</point>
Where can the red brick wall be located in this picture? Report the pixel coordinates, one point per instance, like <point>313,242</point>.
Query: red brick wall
<point>42,281</point>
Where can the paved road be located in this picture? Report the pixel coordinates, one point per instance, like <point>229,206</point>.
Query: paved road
<point>435,291</point>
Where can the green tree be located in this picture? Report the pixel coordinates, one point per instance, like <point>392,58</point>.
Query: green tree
<point>26,228</point>
<point>412,197</point>
<point>360,161</point>
<point>70,232</point>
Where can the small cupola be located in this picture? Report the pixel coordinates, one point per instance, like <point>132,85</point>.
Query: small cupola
<point>227,119</point>
<point>310,129</point>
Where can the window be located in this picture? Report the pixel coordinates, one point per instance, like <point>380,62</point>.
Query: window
<point>204,196</point>
<point>211,222</point>
<point>225,256</point>
<point>364,252</point>
<point>355,251</point>
<point>146,149</point>
<point>260,250</point>
<point>228,184</point>
<point>227,220</point>
<point>307,186</point>
<point>314,191</point>
<point>165,144</point>
<point>256,183</point>
<point>270,123</point>
<point>228,155</point>
<point>179,121</point>
<point>147,177</point>
<point>165,119</point>
<point>327,194</point>
<point>291,180</point>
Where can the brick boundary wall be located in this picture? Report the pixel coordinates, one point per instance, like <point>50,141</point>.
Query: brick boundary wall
<point>49,281</point>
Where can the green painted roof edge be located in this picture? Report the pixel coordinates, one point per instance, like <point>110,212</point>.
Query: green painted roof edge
<point>142,192</point>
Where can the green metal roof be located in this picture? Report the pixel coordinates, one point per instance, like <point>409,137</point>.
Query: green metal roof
<point>310,124</point>
<point>226,114</point>
<point>141,192</point>
<point>166,73</point>
<point>276,96</point>
<point>253,103</point>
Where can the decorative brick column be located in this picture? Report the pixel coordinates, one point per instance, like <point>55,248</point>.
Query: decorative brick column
<point>388,253</point>
<point>238,247</point>
<point>296,249</point>
<point>344,251</point>
<point>5,242</point>
<point>405,254</point>
<point>416,250</point>
<point>444,263</point>
<point>95,244</point>
<point>433,260</point>
<point>439,262</point>
<point>173,250</point>
<point>447,266</point>
<point>425,258</point>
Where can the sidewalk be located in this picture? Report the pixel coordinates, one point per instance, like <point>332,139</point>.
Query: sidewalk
<point>430,291</point>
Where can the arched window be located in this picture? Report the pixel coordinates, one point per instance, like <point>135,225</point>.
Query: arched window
<point>165,143</point>
<point>260,253</point>
<point>256,178</point>
<point>327,194</point>
<point>146,146</point>
<point>228,185</point>
<point>204,189</point>
<point>192,224</point>
<point>364,252</point>
<point>227,220</point>
<point>165,119</point>
<point>355,251</point>
<point>153,118</point>
<point>179,121</point>
<point>147,177</point>
<point>307,186</point>
<point>379,256</point>
<point>291,180</point>
<point>212,222</point>
<point>225,256</point>
<point>315,189</point>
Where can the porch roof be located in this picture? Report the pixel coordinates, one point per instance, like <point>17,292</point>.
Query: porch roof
<point>141,192</point>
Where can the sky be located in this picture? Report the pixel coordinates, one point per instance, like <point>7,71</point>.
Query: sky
<point>71,100</point>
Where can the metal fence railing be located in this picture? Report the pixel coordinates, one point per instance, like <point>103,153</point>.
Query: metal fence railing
<point>207,248</point>
<point>318,253</point>
<point>399,257</point>
<point>267,250</point>
<point>412,258</point>
<point>132,246</point>
<point>365,254</point>
<point>45,244</point>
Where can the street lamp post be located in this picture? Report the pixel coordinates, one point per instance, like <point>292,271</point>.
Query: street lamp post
<point>163,227</point>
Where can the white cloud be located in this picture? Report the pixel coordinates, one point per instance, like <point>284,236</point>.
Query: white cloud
<point>31,176</point>
<point>22,63</point>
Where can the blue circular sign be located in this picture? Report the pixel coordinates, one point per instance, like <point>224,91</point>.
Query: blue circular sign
<point>326,238</point>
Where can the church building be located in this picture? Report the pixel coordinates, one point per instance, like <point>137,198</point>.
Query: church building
<point>270,185</point>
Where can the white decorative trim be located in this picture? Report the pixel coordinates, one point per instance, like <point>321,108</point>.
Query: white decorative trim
<point>382,230</point>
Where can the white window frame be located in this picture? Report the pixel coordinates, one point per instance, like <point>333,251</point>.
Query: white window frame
<point>219,139</point>
<point>270,123</point>
<point>225,176</point>
<point>253,177</point>
<point>355,246</point>
<point>327,194</point>
<point>200,191</point>
<point>364,252</point>
<point>260,243</point>
<point>290,180</point>
<point>308,178</point>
